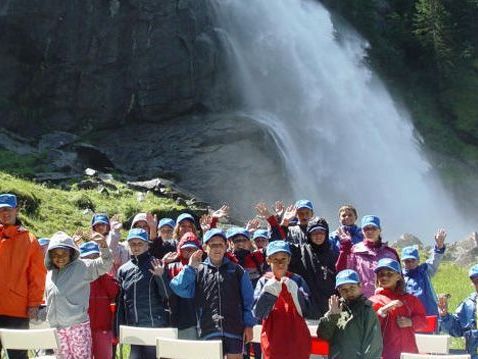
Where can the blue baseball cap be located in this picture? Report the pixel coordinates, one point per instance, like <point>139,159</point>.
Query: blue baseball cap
<point>347,276</point>
<point>278,246</point>
<point>89,248</point>
<point>370,220</point>
<point>166,222</point>
<point>100,218</point>
<point>8,200</point>
<point>304,203</point>
<point>237,231</point>
<point>184,217</point>
<point>388,264</point>
<point>43,241</point>
<point>138,233</point>
<point>410,252</point>
<point>473,272</point>
<point>261,233</point>
<point>212,233</point>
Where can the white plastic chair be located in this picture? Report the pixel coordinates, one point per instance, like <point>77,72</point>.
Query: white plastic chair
<point>187,349</point>
<point>29,339</point>
<point>433,356</point>
<point>145,336</point>
<point>433,343</point>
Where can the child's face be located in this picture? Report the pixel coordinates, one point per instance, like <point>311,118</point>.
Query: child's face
<point>347,217</point>
<point>241,242</point>
<point>187,252</point>
<point>166,232</point>
<point>279,263</point>
<point>8,215</point>
<point>60,257</point>
<point>185,226</point>
<point>371,233</point>
<point>474,282</point>
<point>303,215</point>
<point>216,248</point>
<point>387,278</point>
<point>101,228</point>
<point>143,225</point>
<point>410,264</point>
<point>261,242</point>
<point>350,291</point>
<point>137,246</point>
<point>317,237</point>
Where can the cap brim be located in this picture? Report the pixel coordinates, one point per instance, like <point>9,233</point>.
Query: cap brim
<point>88,253</point>
<point>278,251</point>
<point>306,207</point>
<point>189,245</point>
<point>386,267</point>
<point>137,237</point>
<point>100,222</point>
<point>348,281</point>
<point>409,257</point>
<point>5,205</point>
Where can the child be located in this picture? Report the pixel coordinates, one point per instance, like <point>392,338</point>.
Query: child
<point>68,292</point>
<point>281,302</point>
<point>351,325</point>
<point>303,211</point>
<point>222,292</point>
<point>143,300</point>
<point>184,223</point>
<point>103,292</point>
<point>418,276</point>
<point>363,256</point>
<point>347,218</point>
<point>400,314</point>
<point>241,245</point>
<point>463,322</point>
<point>315,262</point>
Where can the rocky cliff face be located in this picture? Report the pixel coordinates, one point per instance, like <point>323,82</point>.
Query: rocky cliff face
<point>84,65</point>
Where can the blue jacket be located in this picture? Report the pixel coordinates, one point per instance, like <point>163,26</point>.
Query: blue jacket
<point>463,323</point>
<point>418,281</point>
<point>223,297</point>
<point>355,233</point>
<point>264,302</point>
<point>143,299</point>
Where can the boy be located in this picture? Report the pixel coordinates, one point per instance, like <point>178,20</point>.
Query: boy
<point>303,211</point>
<point>463,322</point>
<point>281,302</point>
<point>347,217</point>
<point>351,325</point>
<point>222,293</point>
<point>418,276</point>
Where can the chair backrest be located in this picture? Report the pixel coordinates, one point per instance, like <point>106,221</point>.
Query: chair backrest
<point>433,356</point>
<point>187,349</point>
<point>25,339</point>
<point>145,336</point>
<point>433,343</point>
<point>256,333</point>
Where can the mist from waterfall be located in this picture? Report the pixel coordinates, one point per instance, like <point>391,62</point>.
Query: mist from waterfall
<point>341,137</point>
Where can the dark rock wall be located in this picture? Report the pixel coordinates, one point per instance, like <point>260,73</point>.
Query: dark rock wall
<point>80,65</point>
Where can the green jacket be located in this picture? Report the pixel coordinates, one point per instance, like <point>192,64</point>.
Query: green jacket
<point>353,334</point>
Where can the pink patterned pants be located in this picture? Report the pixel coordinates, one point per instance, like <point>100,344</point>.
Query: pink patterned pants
<point>75,341</point>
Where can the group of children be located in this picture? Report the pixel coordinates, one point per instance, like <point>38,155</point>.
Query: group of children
<point>284,271</point>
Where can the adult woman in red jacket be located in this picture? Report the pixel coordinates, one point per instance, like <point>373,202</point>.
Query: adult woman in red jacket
<point>400,314</point>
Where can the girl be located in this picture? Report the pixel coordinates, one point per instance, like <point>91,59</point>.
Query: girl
<point>184,223</point>
<point>68,292</point>
<point>363,256</point>
<point>400,314</point>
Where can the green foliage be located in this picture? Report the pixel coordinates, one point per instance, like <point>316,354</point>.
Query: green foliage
<point>20,165</point>
<point>45,210</point>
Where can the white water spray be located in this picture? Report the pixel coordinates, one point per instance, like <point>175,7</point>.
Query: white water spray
<point>341,136</point>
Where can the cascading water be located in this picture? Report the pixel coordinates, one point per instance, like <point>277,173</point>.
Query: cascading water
<point>340,135</point>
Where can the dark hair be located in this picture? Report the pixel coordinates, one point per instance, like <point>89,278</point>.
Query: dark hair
<point>399,286</point>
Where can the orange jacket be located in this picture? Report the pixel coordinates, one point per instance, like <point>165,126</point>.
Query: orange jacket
<point>22,271</point>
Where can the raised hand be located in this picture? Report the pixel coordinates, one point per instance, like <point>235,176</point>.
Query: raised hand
<point>279,208</point>
<point>99,239</point>
<point>196,258</point>
<point>289,214</point>
<point>443,304</point>
<point>205,222</point>
<point>262,210</point>
<point>343,235</point>
<point>170,257</point>
<point>158,267</point>
<point>253,225</point>
<point>222,212</point>
<point>334,305</point>
<point>440,238</point>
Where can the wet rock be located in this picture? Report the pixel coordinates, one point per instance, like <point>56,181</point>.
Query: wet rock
<point>55,140</point>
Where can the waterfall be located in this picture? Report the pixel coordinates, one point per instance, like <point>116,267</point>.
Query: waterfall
<point>341,136</point>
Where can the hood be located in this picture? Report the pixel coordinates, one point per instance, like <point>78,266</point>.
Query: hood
<point>61,239</point>
<point>319,222</point>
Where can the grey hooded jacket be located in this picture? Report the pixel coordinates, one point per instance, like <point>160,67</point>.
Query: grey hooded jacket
<point>68,289</point>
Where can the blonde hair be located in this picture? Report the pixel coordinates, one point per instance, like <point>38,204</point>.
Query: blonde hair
<point>176,230</point>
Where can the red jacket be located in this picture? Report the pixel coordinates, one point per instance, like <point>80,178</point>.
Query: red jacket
<point>22,271</point>
<point>396,339</point>
<point>103,292</point>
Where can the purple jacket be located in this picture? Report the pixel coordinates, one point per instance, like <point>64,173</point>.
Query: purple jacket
<point>363,259</point>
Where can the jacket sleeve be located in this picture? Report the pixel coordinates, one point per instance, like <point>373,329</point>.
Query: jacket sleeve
<point>95,268</point>
<point>36,275</point>
<point>418,314</point>
<point>263,301</point>
<point>296,265</point>
<point>184,284</point>
<point>247,294</point>
<point>277,232</point>
<point>120,317</point>
<point>458,323</point>
<point>327,325</point>
<point>434,261</point>
<point>111,287</point>
<point>372,342</point>
<point>304,297</point>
